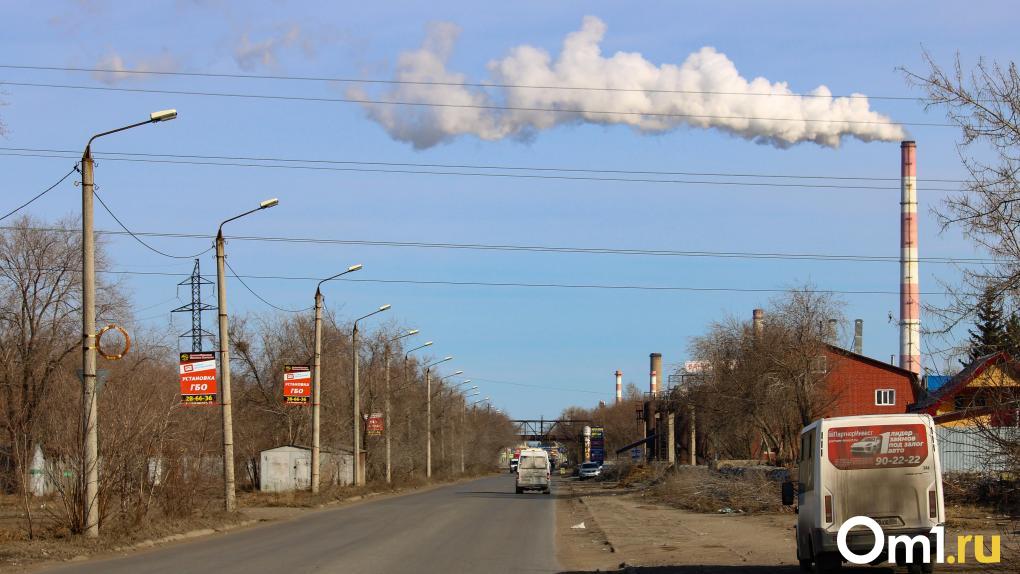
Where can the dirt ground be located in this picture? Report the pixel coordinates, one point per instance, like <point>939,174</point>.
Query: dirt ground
<point>625,531</point>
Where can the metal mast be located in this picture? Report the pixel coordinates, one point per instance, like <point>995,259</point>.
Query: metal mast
<point>195,308</point>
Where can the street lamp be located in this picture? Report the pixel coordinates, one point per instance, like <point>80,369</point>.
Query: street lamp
<point>90,512</point>
<point>356,399</point>
<point>386,428</point>
<point>316,376</point>
<point>428,415</point>
<point>221,302</point>
<point>407,381</point>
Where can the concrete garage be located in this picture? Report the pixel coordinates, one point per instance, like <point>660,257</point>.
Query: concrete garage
<point>289,468</point>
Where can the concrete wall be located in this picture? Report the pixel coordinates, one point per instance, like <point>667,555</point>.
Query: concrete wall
<point>289,468</point>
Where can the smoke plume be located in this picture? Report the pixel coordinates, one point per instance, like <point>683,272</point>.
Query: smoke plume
<point>705,91</point>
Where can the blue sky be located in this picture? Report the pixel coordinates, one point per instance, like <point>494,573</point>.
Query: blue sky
<point>555,338</point>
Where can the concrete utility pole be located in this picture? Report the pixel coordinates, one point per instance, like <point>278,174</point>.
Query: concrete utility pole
<point>317,378</point>
<point>407,381</point>
<point>90,416</point>
<point>356,399</point>
<point>221,301</point>
<point>386,409</point>
<point>428,415</point>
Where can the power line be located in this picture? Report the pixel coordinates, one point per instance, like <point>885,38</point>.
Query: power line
<point>494,175</point>
<point>555,249</point>
<point>586,286</point>
<point>447,84</point>
<point>464,106</point>
<point>139,239</point>
<point>108,154</point>
<point>40,194</point>
<point>259,297</point>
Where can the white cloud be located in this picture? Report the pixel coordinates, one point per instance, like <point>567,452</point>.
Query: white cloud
<point>118,68</point>
<point>251,55</point>
<point>647,97</point>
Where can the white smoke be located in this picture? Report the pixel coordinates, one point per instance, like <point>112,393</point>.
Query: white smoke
<point>705,91</point>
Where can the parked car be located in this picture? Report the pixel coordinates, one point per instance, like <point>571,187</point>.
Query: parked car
<point>589,470</point>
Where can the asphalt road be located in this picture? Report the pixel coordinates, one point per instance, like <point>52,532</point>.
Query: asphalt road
<point>479,526</point>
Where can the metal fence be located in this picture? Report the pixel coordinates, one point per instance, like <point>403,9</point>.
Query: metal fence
<point>969,449</point>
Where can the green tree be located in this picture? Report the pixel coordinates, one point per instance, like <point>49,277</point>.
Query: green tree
<point>990,334</point>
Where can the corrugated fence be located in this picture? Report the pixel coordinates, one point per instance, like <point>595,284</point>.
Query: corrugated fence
<point>970,449</point>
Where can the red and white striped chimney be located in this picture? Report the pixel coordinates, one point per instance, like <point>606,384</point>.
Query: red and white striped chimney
<point>910,296</point>
<point>619,386</point>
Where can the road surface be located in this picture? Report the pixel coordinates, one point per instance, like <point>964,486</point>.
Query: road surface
<point>478,526</point>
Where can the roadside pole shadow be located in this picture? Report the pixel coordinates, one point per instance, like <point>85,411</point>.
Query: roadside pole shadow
<point>745,569</point>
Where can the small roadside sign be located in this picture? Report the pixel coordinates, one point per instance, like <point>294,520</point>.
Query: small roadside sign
<point>198,378</point>
<point>376,424</point>
<point>297,385</point>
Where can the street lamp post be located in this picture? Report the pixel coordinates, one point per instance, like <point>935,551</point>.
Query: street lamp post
<point>90,418</point>
<point>442,427</point>
<point>316,375</point>
<point>386,409</point>
<point>221,302</point>
<point>463,422</point>
<point>356,399</point>
<point>428,415</point>
<point>407,381</point>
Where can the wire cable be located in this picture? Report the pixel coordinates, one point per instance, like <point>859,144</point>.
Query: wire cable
<point>139,239</point>
<point>465,106</point>
<point>558,249</point>
<point>108,154</point>
<point>259,297</point>
<point>592,286</point>
<point>443,84</point>
<point>544,387</point>
<point>40,194</point>
<point>498,175</point>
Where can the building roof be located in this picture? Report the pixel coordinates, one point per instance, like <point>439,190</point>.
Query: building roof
<point>960,381</point>
<point>873,362</point>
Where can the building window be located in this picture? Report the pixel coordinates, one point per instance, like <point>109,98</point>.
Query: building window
<point>820,364</point>
<point>885,397</point>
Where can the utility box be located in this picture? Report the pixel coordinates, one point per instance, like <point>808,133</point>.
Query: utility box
<point>289,468</point>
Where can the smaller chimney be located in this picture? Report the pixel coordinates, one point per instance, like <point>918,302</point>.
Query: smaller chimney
<point>859,336</point>
<point>758,322</point>
<point>655,360</point>
<point>619,386</point>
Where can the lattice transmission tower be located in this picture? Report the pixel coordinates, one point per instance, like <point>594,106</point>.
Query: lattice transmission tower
<point>196,333</point>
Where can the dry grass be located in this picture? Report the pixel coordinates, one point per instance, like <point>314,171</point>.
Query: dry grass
<point>702,490</point>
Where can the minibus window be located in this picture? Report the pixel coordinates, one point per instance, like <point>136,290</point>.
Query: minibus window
<point>806,469</point>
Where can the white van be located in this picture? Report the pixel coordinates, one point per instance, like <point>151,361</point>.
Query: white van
<point>884,467</point>
<point>533,470</point>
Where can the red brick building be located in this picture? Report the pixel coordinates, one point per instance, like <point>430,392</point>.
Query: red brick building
<point>861,385</point>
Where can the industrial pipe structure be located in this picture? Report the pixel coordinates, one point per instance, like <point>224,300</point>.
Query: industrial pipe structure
<point>910,294</point>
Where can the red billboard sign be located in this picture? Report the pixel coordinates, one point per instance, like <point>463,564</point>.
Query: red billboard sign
<point>297,385</point>
<point>877,446</point>
<point>198,378</point>
<point>376,424</point>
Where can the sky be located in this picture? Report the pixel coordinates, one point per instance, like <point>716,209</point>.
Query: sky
<point>677,83</point>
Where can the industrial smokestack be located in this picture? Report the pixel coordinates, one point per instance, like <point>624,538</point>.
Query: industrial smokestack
<point>758,322</point>
<point>859,336</point>
<point>910,300</point>
<point>619,386</point>
<point>656,364</point>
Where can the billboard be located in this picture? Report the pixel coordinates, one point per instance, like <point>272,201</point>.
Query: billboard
<point>376,424</point>
<point>297,385</point>
<point>198,378</point>
<point>598,444</point>
<point>878,446</point>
